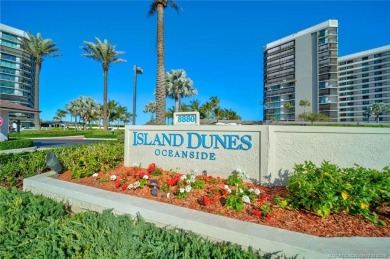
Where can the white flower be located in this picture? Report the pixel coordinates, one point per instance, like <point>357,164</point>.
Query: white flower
<point>130,186</point>
<point>137,184</point>
<point>192,178</point>
<point>168,195</point>
<point>246,199</point>
<point>181,190</point>
<point>188,188</point>
<point>136,165</point>
<point>257,191</point>
<point>241,191</point>
<point>226,187</point>
<point>146,177</point>
<point>188,181</point>
<point>251,190</point>
<point>113,177</point>
<point>229,191</point>
<point>95,175</point>
<point>183,177</point>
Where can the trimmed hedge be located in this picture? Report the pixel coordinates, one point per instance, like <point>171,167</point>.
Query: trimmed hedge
<point>16,143</point>
<point>37,227</point>
<point>83,160</point>
<point>68,132</point>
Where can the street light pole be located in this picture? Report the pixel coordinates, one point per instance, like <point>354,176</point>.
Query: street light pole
<point>137,70</point>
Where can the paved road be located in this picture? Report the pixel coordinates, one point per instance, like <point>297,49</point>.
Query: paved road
<point>62,142</point>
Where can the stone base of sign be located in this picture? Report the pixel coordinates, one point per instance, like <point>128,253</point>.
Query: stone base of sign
<point>267,153</point>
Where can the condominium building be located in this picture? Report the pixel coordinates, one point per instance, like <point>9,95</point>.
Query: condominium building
<point>302,66</point>
<point>16,71</point>
<point>364,79</point>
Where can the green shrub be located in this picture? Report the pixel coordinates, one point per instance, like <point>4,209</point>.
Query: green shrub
<point>83,159</point>
<point>16,143</point>
<point>330,189</point>
<point>34,226</point>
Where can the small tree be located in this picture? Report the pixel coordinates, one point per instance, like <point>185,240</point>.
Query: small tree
<point>377,109</point>
<point>304,103</point>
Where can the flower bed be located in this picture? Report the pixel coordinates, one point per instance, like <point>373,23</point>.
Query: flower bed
<point>232,197</point>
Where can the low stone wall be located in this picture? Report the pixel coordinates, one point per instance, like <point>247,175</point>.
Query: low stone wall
<point>266,153</point>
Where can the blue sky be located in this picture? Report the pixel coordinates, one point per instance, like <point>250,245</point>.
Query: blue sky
<point>218,43</point>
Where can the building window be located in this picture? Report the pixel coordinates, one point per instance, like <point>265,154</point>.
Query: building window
<point>364,58</point>
<point>378,96</point>
<point>378,78</point>
<point>378,84</point>
<point>365,75</point>
<point>366,103</point>
<point>377,55</point>
<point>377,72</point>
<point>365,69</point>
<point>378,90</point>
<point>365,91</point>
<point>365,80</point>
<point>365,97</point>
<point>365,86</point>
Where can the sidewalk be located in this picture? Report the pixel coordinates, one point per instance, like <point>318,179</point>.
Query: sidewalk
<point>214,227</point>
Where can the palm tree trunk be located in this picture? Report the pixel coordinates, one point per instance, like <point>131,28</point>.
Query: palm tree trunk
<point>176,103</point>
<point>105,122</point>
<point>37,122</point>
<point>160,88</point>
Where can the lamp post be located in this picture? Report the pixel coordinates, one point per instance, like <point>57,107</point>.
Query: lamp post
<point>137,70</point>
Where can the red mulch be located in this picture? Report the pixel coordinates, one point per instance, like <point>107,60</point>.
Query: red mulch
<point>336,225</point>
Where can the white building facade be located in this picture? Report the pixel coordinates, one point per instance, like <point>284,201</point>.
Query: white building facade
<point>302,66</point>
<point>364,79</point>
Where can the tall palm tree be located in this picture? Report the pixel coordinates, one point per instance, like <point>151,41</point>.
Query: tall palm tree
<point>159,6</point>
<point>179,86</point>
<point>106,54</point>
<point>38,48</point>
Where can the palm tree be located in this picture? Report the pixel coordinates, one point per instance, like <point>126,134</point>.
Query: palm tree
<point>151,107</point>
<point>169,114</point>
<point>61,114</point>
<point>206,110</point>
<point>179,86</point>
<point>195,105</point>
<point>214,101</point>
<point>112,107</point>
<point>38,48</point>
<point>106,54</point>
<point>304,103</point>
<point>159,6</point>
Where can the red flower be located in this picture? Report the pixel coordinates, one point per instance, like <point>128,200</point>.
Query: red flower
<point>261,201</point>
<point>117,183</point>
<point>266,196</point>
<point>124,187</point>
<point>224,192</point>
<point>151,167</point>
<point>207,200</point>
<point>216,200</point>
<point>270,216</point>
<point>256,212</point>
